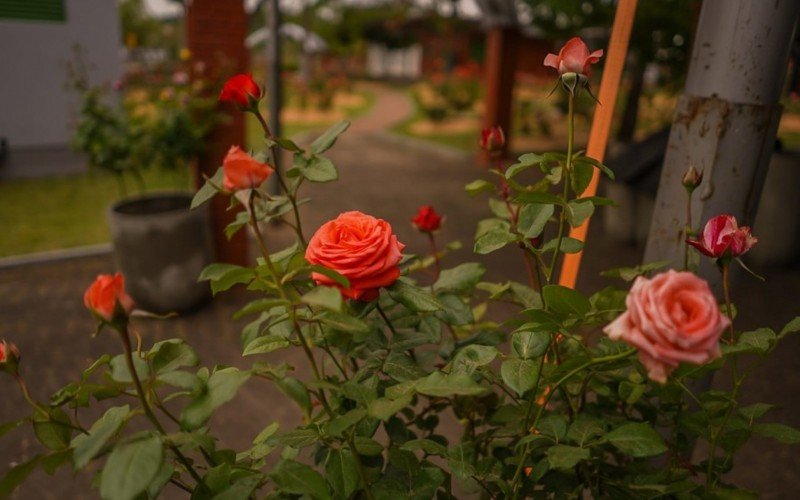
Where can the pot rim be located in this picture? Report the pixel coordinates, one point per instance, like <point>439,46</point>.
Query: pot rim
<point>114,208</point>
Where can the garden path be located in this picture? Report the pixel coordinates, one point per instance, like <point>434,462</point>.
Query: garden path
<point>389,176</point>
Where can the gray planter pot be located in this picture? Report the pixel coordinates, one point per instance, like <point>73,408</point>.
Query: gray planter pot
<point>161,247</point>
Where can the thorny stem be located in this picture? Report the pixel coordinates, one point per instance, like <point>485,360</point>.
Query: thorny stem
<point>298,227</point>
<point>596,361</point>
<point>148,411</point>
<point>27,395</point>
<point>565,177</point>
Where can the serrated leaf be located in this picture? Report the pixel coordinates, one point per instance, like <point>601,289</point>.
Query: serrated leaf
<point>568,245</point>
<point>460,279</point>
<point>170,355</point>
<point>565,457</point>
<point>341,470</point>
<point>293,477</point>
<point>520,375</point>
<point>223,276</point>
<point>297,438</point>
<point>630,273</point>
<point>493,239</point>
<point>131,468</point>
<point>759,340</point>
<point>385,408</point>
<point>265,344</point>
<point>564,301</point>
<point>523,162</point>
<point>530,344</point>
<point>414,298</point>
<point>428,446</point>
<point>581,176</point>
<point>778,432</point>
<point>222,387</point>
<point>343,422</point>
<point>439,384</point>
<point>328,138</point>
<point>17,475</point>
<point>478,186</point>
<point>208,190</point>
<point>52,430</point>
<point>344,322</point>
<point>468,359</point>
<point>87,446</point>
<point>637,440</point>
<point>323,296</point>
<point>319,169</point>
<point>578,211</point>
<point>533,218</point>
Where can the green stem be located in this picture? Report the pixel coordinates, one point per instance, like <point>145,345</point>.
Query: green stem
<point>27,395</point>
<point>596,361</point>
<point>435,254</point>
<point>126,344</point>
<point>298,227</point>
<point>562,220</point>
<point>360,467</point>
<point>726,291</point>
<point>687,230</point>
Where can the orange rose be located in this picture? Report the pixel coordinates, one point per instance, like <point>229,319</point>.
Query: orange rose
<point>242,171</point>
<point>671,318</point>
<point>106,297</point>
<point>359,247</point>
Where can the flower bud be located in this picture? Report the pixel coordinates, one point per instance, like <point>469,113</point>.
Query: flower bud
<point>107,299</point>
<point>9,357</point>
<point>574,82</point>
<point>427,220</point>
<point>493,140</point>
<point>241,90</point>
<point>692,178</point>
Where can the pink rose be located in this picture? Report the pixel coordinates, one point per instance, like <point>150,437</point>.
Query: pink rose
<point>106,297</point>
<point>671,318</point>
<point>359,247</point>
<point>722,237</point>
<point>242,171</point>
<point>574,57</point>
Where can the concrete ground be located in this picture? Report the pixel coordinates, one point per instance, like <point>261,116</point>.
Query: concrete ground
<point>41,304</point>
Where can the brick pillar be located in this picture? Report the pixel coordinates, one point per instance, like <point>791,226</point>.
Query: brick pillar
<point>216,30</point>
<point>500,66</point>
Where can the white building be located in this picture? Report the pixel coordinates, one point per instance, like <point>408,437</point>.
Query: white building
<point>37,38</point>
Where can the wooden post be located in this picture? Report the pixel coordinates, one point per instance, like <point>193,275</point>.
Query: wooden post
<point>500,66</point>
<point>216,31</point>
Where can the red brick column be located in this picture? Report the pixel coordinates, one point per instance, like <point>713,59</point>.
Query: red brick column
<point>500,66</point>
<point>216,30</point>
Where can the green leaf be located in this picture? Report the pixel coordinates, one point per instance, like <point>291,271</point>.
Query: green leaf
<point>414,298</point>
<point>478,186</point>
<point>428,446</point>
<point>9,426</point>
<point>583,429</point>
<point>778,432</point>
<point>758,340</point>
<point>455,312</point>
<point>17,476</point>
<point>87,446</point>
<point>578,211</point>
<point>170,355</point>
<point>297,391</point>
<point>565,457</point>
<point>330,273</point>
<point>523,162</point>
<point>342,472</point>
<point>367,446</point>
<point>630,273</point>
<point>439,384</point>
<point>121,373</point>
<point>344,322</point>
<point>791,327</point>
<point>539,197</point>
<point>222,387</point>
<point>591,161</point>
<point>581,176</point>
<point>564,301</point>
<point>297,438</point>
<point>637,440</point>
<point>568,245</point>
<point>131,468</point>
<point>755,411</point>
<point>533,218</point>
<point>468,359</point>
<point>461,458</point>
<point>328,138</point>
<point>265,344</point>
<point>286,144</point>
<point>324,296</point>
<point>224,276</point>
<point>296,478</point>
<point>181,380</point>
<point>259,305</point>
<point>402,368</point>
<point>208,190</point>
<point>460,279</point>
<point>385,408</point>
<point>319,169</point>
<point>520,374</point>
<point>343,422</point>
<point>494,239</point>
<point>530,344</point>
<point>53,429</point>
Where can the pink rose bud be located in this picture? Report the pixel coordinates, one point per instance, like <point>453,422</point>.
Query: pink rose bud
<point>427,220</point>
<point>692,178</point>
<point>242,171</point>
<point>723,238</point>
<point>492,139</point>
<point>106,298</point>
<point>574,57</point>
<point>241,90</point>
<point>672,318</point>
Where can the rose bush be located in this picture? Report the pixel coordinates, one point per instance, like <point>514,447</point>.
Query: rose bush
<point>427,381</point>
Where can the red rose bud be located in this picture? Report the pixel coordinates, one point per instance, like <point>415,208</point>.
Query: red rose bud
<point>692,178</point>
<point>574,57</point>
<point>242,171</point>
<point>723,238</point>
<point>492,139</point>
<point>9,357</point>
<point>241,90</point>
<point>106,298</point>
<point>427,220</point>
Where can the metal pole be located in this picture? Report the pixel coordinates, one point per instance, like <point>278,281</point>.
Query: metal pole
<point>726,121</point>
<point>274,94</point>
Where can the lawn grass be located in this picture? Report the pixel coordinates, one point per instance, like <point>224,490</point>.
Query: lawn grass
<point>43,214</point>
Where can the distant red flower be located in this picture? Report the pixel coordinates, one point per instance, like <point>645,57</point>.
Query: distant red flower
<point>492,139</point>
<point>427,220</point>
<point>574,57</point>
<point>722,237</point>
<point>241,90</point>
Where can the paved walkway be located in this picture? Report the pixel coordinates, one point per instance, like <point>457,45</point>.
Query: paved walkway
<point>41,309</point>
